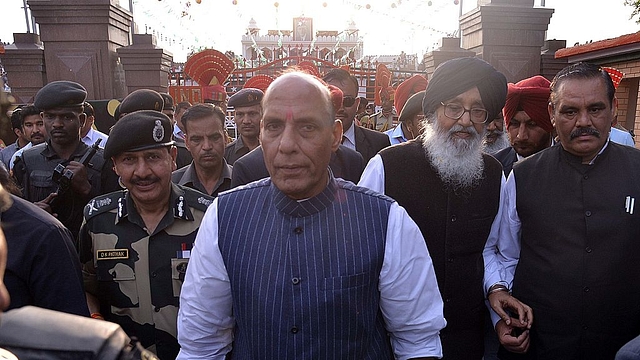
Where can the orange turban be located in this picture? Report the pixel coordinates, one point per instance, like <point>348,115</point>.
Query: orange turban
<point>407,88</point>
<point>530,95</point>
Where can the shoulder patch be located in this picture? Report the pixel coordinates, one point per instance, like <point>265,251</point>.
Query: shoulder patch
<point>102,203</point>
<point>196,199</point>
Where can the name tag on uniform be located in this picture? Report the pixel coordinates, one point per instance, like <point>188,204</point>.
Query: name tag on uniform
<point>112,254</point>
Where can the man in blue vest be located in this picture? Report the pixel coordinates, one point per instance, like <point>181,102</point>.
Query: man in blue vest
<point>302,265</point>
<point>572,219</point>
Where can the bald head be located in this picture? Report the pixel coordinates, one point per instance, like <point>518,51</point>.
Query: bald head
<point>283,87</point>
<point>298,133</point>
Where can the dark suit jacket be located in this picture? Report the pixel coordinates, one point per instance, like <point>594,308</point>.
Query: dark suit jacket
<point>184,157</point>
<point>345,163</point>
<point>369,142</point>
<point>507,157</point>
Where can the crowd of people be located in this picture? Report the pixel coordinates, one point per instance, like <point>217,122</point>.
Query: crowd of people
<point>495,220</point>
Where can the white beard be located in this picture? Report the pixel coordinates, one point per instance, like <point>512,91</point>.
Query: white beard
<point>458,161</point>
<point>501,142</point>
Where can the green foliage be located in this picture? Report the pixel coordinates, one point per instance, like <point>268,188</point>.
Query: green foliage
<point>636,8</point>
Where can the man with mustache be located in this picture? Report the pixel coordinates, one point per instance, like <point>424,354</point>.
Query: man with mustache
<point>135,243</point>
<point>452,190</point>
<point>571,217</point>
<point>303,265</point>
<point>528,122</point>
<point>496,138</point>
<point>28,127</point>
<point>248,112</point>
<point>205,138</point>
<point>63,193</point>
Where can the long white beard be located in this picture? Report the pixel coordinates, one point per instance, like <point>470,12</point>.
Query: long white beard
<point>458,161</point>
<point>501,142</point>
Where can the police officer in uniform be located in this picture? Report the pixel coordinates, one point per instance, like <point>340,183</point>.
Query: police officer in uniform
<point>64,192</point>
<point>247,115</point>
<point>135,243</point>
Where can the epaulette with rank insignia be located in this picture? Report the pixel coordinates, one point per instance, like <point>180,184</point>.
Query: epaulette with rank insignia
<point>196,199</point>
<point>102,203</point>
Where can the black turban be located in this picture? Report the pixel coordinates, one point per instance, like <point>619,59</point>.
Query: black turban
<point>456,76</point>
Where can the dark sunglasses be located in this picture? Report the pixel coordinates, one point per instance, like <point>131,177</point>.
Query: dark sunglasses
<point>348,101</point>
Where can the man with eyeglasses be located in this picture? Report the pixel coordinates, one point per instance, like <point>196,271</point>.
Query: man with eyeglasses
<point>365,141</point>
<point>248,112</point>
<point>452,191</point>
<point>65,195</point>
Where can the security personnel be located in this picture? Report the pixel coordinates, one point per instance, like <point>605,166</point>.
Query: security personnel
<point>248,112</point>
<point>184,157</point>
<point>141,99</point>
<point>65,191</point>
<point>135,243</point>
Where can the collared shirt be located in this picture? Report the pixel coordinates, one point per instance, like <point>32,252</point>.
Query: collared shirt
<point>349,137</point>
<point>7,153</point>
<point>235,150</point>
<point>92,136</point>
<point>187,176</point>
<point>177,133</point>
<point>383,122</point>
<point>621,137</point>
<point>373,178</point>
<point>18,153</point>
<point>409,298</point>
<point>137,274</point>
<point>396,135</point>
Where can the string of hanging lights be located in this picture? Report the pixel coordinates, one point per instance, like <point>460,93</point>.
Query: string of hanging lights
<point>412,15</point>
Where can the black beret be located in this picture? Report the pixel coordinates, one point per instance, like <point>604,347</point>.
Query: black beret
<point>142,99</point>
<point>412,107</point>
<point>140,130</point>
<point>456,76</point>
<point>168,101</point>
<point>246,97</point>
<point>116,113</point>
<point>58,94</point>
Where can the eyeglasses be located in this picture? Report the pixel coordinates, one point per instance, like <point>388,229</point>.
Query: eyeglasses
<point>455,112</point>
<point>348,101</point>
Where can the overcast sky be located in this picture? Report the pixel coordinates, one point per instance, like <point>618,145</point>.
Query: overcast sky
<point>387,26</point>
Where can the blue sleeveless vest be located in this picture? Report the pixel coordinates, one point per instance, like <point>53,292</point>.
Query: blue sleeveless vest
<point>304,275</point>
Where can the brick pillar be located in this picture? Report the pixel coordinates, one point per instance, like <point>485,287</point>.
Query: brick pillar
<point>24,62</point>
<point>80,41</point>
<point>509,34</point>
<point>549,65</point>
<point>450,49</point>
<point>146,66</point>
